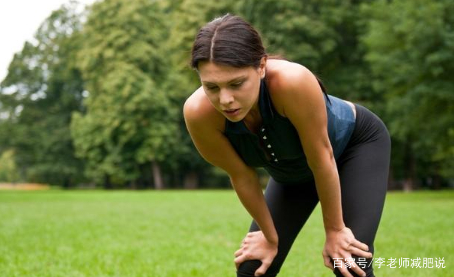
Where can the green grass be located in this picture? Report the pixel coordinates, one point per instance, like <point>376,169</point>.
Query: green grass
<point>191,233</point>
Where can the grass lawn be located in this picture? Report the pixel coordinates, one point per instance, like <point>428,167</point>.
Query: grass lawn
<point>192,233</point>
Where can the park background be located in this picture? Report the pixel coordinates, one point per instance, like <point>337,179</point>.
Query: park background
<point>94,102</point>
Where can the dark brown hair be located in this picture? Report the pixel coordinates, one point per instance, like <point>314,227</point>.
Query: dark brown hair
<point>232,41</point>
<point>228,40</point>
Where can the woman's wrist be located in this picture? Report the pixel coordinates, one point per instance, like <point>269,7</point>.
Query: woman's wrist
<point>272,239</point>
<point>274,242</point>
<point>334,228</point>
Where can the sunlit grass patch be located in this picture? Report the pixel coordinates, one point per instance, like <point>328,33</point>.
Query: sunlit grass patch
<point>191,233</point>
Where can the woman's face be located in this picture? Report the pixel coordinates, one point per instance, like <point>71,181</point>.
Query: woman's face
<point>232,91</point>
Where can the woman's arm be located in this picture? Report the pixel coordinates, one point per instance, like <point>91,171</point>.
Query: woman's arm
<point>204,125</point>
<point>302,102</point>
<point>304,105</point>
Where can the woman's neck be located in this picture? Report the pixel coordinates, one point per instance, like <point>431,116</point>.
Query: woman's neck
<point>253,120</point>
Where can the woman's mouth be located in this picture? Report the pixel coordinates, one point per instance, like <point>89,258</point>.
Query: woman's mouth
<point>232,111</point>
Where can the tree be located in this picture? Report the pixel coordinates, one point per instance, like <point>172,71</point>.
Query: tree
<point>8,167</point>
<point>39,93</point>
<point>411,53</point>
<point>129,122</point>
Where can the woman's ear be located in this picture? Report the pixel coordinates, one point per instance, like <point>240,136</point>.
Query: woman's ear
<point>262,67</point>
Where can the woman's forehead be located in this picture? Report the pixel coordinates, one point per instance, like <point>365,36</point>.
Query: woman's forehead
<point>217,73</point>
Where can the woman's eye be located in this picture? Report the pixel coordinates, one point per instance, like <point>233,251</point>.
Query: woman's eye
<point>237,85</point>
<point>211,88</point>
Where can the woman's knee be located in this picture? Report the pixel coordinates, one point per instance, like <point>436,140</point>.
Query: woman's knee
<point>248,268</point>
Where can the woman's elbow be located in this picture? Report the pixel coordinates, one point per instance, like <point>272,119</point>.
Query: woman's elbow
<point>322,162</point>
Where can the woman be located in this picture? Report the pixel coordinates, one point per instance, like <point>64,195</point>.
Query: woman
<point>255,111</point>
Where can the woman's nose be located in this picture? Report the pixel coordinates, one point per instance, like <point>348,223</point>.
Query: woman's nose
<point>225,97</point>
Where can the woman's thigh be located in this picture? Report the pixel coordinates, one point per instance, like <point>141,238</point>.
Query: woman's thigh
<point>363,171</point>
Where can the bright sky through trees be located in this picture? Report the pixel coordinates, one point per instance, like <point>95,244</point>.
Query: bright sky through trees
<point>19,20</point>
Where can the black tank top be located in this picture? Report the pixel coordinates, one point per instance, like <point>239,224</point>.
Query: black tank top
<point>277,147</point>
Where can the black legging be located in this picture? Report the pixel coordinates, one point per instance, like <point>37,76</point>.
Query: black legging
<point>363,171</point>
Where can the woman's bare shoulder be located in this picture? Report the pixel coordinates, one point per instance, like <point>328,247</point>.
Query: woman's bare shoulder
<point>198,110</point>
<point>282,75</point>
<point>284,79</point>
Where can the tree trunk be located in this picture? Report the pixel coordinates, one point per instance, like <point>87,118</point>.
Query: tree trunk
<point>391,181</point>
<point>133,184</point>
<point>157,176</point>
<point>191,180</point>
<point>410,171</point>
<point>66,182</point>
<point>436,182</point>
<point>408,184</point>
<point>107,183</point>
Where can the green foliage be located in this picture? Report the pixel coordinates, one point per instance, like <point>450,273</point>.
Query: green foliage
<point>39,93</point>
<point>109,85</point>
<point>129,120</point>
<point>411,54</point>
<point>8,168</point>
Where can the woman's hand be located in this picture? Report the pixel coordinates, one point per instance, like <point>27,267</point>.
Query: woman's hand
<point>256,247</point>
<point>342,244</point>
